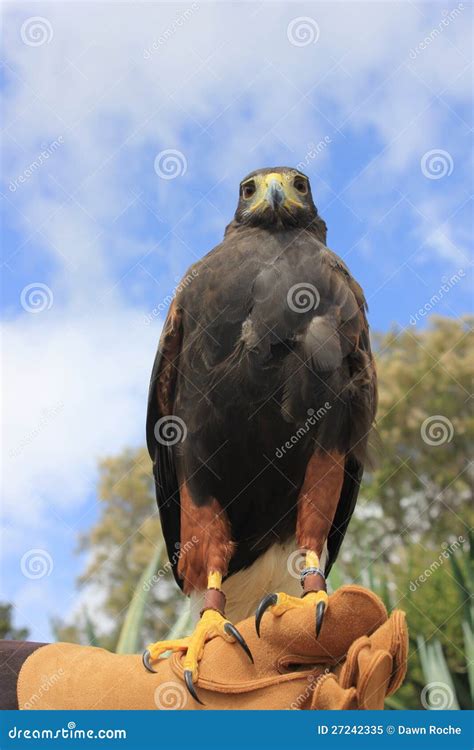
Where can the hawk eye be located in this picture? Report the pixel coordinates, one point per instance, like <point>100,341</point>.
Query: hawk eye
<point>301,185</point>
<point>248,189</point>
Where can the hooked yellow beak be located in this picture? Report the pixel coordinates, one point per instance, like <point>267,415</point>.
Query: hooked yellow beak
<point>275,194</point>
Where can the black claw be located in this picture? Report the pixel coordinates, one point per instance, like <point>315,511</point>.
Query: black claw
<point>320,609</point>
<point>232,630</point>
<point>146,661</point>
<point>268,601</point>
<point>188,678</point>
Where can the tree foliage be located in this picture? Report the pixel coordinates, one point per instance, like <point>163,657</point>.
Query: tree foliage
<point>415,510</point>
<point>8,631</point>
<point>119,547</point>
<point>426,423</point>
<point>421,483</point>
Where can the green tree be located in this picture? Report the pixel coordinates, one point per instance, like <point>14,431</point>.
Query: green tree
<point>421,486</point>
<point>8,631</point>
<point>416,503</point>
<point>426,422</point>
<point>119,547</point>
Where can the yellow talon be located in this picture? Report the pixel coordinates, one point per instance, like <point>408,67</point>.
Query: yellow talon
<point>286,602</point>
<point>281,603</point>
<point>210,625</point>
<point>315,597</point>
<point>161,647</point>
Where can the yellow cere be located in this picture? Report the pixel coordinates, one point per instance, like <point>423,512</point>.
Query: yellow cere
<point>285,179</point>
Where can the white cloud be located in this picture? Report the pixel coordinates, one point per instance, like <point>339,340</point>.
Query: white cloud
<point>74,389</point>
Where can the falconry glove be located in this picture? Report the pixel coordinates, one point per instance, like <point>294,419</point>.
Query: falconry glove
<point>359,659</point>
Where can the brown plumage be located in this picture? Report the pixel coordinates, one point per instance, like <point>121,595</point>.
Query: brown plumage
<point>267,342</point>
<point>262,396</point>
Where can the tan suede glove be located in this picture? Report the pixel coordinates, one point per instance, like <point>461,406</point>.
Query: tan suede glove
<point>358,659</point>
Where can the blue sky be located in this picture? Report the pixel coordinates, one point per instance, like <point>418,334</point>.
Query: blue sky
<point>372,98</point>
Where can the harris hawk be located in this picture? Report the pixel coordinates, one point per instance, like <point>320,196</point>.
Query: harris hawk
<point>262,397</point>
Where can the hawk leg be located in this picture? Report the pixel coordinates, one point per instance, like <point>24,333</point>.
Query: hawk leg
<point>317,504</point>
<point>207,548</point>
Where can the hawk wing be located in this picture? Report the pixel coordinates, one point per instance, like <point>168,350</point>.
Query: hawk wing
<point>354,467</point>
<point>160,406</point>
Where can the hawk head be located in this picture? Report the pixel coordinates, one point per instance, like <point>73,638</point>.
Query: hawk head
<point>276,197</point>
